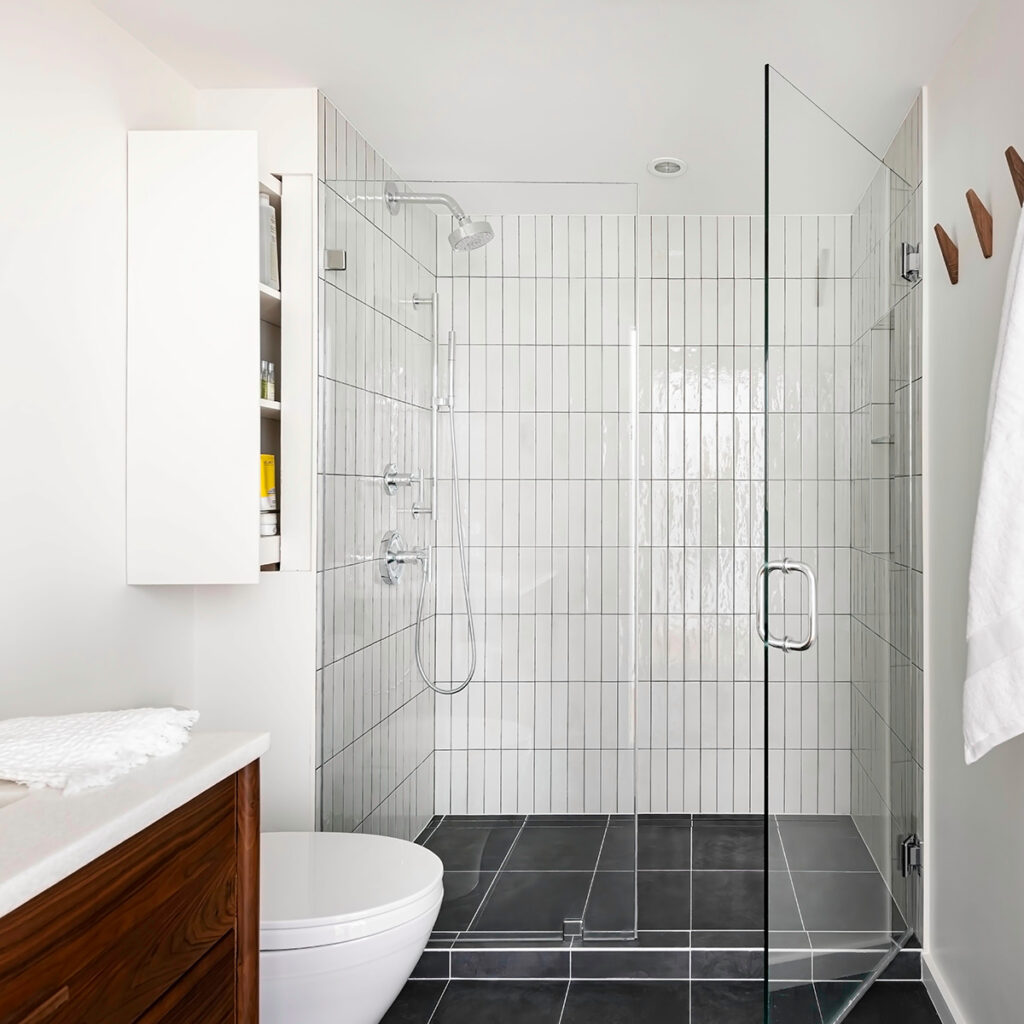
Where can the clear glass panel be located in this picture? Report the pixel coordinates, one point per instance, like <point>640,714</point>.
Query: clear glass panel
<point>534,761</point>
<point>831,288</point>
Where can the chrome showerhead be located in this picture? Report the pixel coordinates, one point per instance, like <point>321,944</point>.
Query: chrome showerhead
<point>470,234</point>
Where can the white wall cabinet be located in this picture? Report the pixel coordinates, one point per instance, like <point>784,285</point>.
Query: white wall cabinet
<point>193,415</point>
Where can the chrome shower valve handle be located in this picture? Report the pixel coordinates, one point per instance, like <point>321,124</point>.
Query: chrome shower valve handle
<point>394,557</point>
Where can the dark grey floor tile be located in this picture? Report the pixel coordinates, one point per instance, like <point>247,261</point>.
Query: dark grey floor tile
<point>721,843</point>
<point>415,1003</point>
<point>840,901</point>
<point>463,893</point>
<point>618,851</point>
<point>742,1002</point>
<point>472,847</point>
<point>635,963</point>
<point>886,1002</point>
<point>664,846</point>
<point>714,939</point>
<point>510,963</point>
<point>533,901</point>
<point>906,967</point>
<point>793,1004</point>
<point>671,939</point>
<point>585,820</point>
<point>501,1002</point>
<point>626,1002</point>
<point>663,900</point>
<point>726,900</point>
<point>727,1002</point>
<point>610,906</point>
<point>486,820</point>
<point>783,913</point>
<point>727,963</point>
<point>824,845</point>
<point>556,848</point>
<point>433,963</point>
<point>657,846</point>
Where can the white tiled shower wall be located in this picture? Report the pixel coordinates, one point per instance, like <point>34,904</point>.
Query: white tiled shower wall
<point>546,385</point>
<point>544,393</point>
<point>375,760</point>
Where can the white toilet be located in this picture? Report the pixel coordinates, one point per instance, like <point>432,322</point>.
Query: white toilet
<point>343,920</point>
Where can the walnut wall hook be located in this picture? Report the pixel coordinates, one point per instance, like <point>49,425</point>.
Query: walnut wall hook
<point>950,254</point>
<point>982,222</point>
<point>1016,165</point>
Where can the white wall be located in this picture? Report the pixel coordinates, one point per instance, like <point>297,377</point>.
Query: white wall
<point>72,634</point>
<point>974,866</point>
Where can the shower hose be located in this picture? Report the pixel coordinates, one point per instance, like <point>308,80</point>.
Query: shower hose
<point>455,687</point>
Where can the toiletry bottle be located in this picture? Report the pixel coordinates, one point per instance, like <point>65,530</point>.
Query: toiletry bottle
<point>268,244</point>
<point>271,382</point>
<point>264,379</point>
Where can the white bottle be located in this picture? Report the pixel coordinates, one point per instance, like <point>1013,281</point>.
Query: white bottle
<point>268,244</point>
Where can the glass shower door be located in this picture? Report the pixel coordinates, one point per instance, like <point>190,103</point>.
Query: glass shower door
<point>830,279</point>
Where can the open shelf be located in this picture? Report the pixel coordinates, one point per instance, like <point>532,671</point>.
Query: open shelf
<point>270,410</point>
<point>270,550</point>
<point>271,185</point>
<point>270,304</point>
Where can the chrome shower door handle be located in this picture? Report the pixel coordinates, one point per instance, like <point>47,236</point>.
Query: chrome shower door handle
<point>786,643</point>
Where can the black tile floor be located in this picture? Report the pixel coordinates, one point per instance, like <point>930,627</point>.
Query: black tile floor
<point>510,882</point>
<point>650,1002</point>
<point>523,877</point>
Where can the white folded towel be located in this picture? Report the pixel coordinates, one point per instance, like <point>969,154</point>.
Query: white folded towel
<point>994,691</point>
<point>76,752</point>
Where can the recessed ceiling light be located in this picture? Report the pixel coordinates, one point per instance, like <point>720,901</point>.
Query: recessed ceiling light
<point>666,167</point>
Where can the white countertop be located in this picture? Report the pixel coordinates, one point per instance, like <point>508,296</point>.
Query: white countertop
<point>45,836</point>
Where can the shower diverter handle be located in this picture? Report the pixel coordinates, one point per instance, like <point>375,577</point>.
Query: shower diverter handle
<point>786,643</point>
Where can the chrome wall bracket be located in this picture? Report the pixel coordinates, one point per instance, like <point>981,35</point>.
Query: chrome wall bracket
<point>335,259</point>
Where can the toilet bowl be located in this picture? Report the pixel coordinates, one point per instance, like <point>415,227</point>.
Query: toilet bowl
<point>343,920</point>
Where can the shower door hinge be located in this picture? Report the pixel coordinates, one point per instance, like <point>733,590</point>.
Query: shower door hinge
<point>572,928</point>
<point>910,262</point>
<point>910,856</point>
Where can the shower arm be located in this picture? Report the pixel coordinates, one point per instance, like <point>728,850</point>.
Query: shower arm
<point>394,199</point>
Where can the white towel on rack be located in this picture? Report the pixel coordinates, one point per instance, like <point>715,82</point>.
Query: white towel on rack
<point>76,752</point>
<point>994,691</point>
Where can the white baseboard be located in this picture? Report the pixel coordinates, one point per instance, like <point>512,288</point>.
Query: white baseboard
<point>941,997</point>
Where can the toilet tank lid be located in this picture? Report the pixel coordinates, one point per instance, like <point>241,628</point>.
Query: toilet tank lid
<point>324,878</point>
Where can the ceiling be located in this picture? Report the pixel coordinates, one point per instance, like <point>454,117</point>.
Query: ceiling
<point>575,90</point>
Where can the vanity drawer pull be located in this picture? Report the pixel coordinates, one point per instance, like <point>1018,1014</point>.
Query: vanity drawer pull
<point>44,1010</point>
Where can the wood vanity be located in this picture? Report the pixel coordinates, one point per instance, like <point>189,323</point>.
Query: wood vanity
<point>163,928</point>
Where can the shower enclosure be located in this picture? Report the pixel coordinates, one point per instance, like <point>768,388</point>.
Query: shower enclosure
<point>689,481</point>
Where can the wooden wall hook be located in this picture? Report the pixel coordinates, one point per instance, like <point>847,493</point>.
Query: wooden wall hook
<point>1016,164</point>
<point>982,222</point>
<point>950,254</point>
